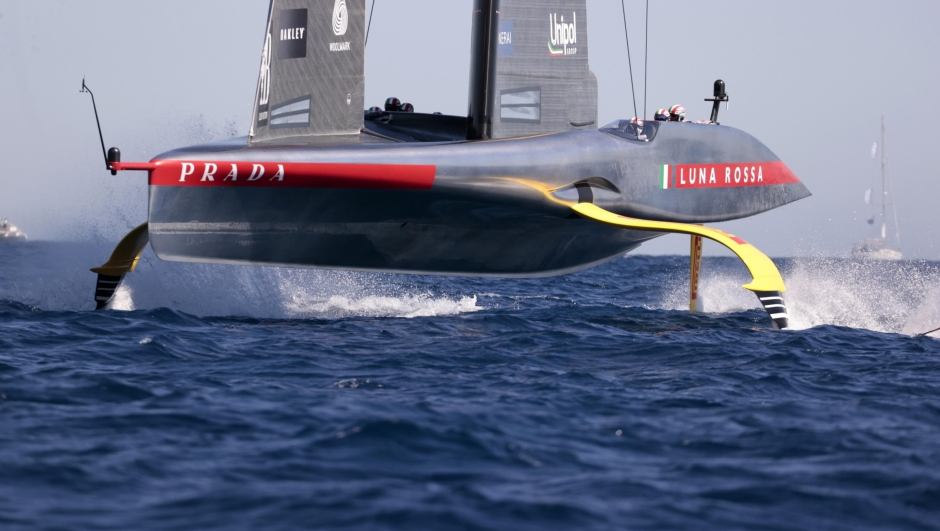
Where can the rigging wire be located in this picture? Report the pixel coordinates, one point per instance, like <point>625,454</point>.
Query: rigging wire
<point>646,58</point>
<point>629,61</point>
<point>894,210</point>
<point>372,10</point>
<point>932,331</point>
<point>871,186</point>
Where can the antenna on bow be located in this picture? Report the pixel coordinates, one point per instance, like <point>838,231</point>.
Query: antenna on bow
<point>720,96</point>
<point>113,154</point>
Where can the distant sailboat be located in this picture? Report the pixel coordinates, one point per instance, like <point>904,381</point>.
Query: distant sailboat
<point>877,248</point>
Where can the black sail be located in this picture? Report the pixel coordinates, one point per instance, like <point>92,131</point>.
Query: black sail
<point>544,83</point>
<point>312,70</point>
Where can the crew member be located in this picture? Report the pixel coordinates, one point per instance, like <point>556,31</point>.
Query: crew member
<point>677,113</point>
<point>407,107</point>
<point>393,104</point>
<point>662,115</point>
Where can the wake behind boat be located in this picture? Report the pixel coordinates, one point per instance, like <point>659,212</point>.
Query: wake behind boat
<point>10,233</point>
<point>525,185</point>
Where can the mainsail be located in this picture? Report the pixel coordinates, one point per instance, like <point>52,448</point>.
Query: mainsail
<point>544,83</point>
<point>312,70</point>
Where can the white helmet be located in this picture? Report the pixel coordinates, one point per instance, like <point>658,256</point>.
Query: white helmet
<point>677,113</point>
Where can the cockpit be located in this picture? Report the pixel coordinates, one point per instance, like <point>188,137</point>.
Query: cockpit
<point>636,130</point>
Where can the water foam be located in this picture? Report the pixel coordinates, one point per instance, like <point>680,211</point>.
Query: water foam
<point>123,299</point>
<point>55,277</point>
<point>203,289</point>
<point>894,297</point>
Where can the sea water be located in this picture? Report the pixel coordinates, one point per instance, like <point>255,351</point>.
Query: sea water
<point>223,397</point>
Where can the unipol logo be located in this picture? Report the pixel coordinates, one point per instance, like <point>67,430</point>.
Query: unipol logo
<point>340,18</point>
<point>562,35</point>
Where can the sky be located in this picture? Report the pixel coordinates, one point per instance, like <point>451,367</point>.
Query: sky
<point>810,79</point>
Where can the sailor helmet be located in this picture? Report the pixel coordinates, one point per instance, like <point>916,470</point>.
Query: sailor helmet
<point>662,115</point>
<point>407,107</point>
<point>393,104</point>
<point>677,113</point>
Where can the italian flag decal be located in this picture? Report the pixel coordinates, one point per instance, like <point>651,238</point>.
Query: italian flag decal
<point>664,177</point>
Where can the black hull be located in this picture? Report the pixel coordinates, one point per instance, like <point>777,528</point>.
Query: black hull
<point>315,228</point>
<point>500,208</point>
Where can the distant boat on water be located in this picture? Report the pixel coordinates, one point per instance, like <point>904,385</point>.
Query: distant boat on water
<point>878,248</point>
<point>10,233</point>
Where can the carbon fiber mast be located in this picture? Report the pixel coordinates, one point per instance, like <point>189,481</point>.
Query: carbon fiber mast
<point>484,43</point>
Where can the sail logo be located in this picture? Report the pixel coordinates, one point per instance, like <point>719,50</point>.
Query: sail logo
<point>505,38</point>
<point>340,25</point>
<point>562,35</point>
<point>340,18</point>
<point>264,82</point>
<point>292,41</point>
<point>292,34</point>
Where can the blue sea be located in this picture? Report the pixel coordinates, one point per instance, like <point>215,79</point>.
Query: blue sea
<point>230,398</point>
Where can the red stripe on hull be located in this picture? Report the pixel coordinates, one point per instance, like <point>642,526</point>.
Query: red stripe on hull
<point>291,175</point>
<point>132,166</point>
<point>736,174</point>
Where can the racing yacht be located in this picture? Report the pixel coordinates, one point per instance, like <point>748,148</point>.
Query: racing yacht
<point>526,184</point>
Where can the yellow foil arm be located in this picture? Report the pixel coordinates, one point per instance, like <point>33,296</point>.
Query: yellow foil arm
<point>125,256</point>
<point>762,268</point>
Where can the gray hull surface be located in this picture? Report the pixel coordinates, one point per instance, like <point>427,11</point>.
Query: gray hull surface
<point>499,208</point>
